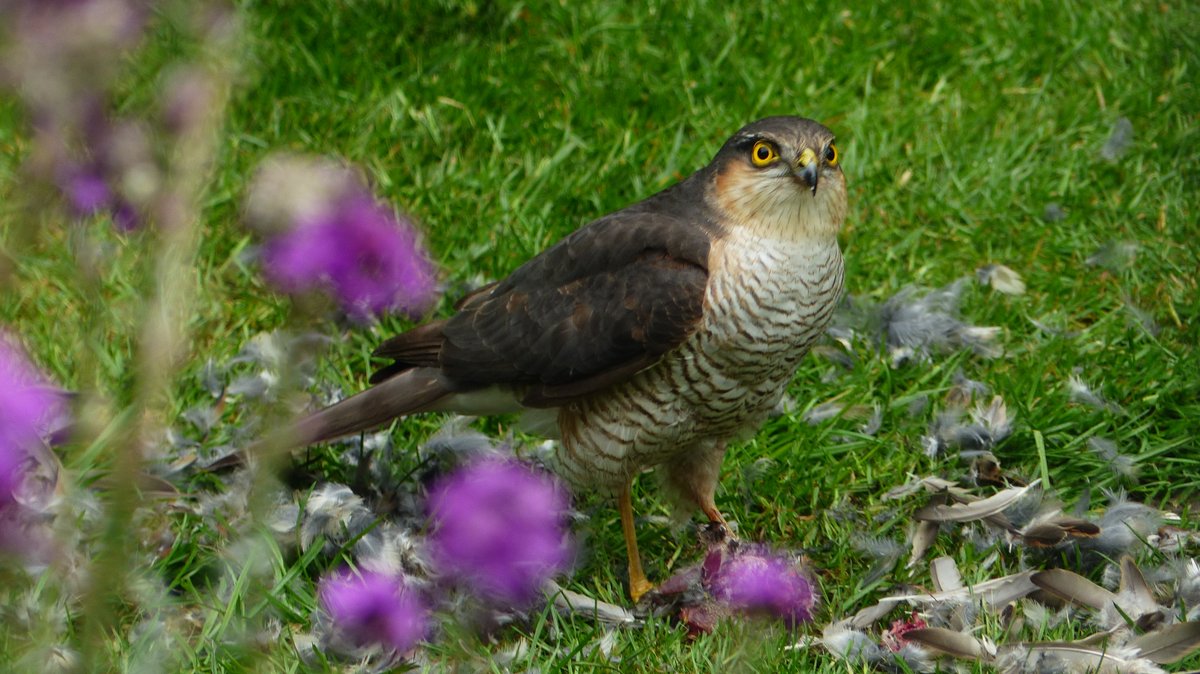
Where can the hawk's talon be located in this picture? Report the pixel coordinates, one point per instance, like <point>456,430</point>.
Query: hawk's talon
<point>639,587</point>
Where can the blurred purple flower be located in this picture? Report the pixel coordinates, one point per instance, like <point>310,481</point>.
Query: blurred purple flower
<point>125,216</point>
<point>500,526</point>
<point>87,192</point>
<point>60,59</point>
<point>755,580</point>
<point>26,404</point>
<point>375,608</point>
<point>357,249</point>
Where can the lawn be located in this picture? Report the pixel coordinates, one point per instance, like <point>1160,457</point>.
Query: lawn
<point>1061,140</point>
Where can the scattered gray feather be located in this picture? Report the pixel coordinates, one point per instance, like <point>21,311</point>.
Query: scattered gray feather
<point>542,453</point>
<point>884,551</point>
<point>969,388</point>
<point>953,642</point>
<point>1081,393</point>
<point>786,405</point>
<point>278,349</point>
<point>853,316</point>
<point>924,535</point>
<point>335,512</point>
<point>284,519</point>
<point>994,593</point>
<point>1119,140</point>
<point>203,417</point>
<point>1053,212</point>
<point>253,386</point>
<point>877,547</point>
<point>822,413</point>
<point>1052,330</point>
<point>457,441</point>
<point>851,645</point>
<point>1187,589</point>
<point>757,470</point>
<point>837,355</point>
<point>1168,645</point>
<point>910,486</point>
<point>932,446</point>
<point>911,315</point>
<point>1122,464</point>
<point>1114,256</point>
<point>231,503</point>
<point>221,453</point>
<point>857,648</point>
<point>989,425</point>
<point>212,378</point>
<point>1001,278</point>
<point>972,510</point>
<point>913,324</point>
<point>994,417</point>
<point>567,600</point>
<point>1142,318</point>
<point>1066,658</point>
<point>1031,506</point>
<point>944,574</point>
<point>263,349</point>
<point>873,424</point>
<point>178,441</point>
<point>918,405</point>
<point>1124,527</point>
<point>394,551</point>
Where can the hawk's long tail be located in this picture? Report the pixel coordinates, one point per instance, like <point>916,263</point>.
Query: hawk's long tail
<point>408,392</point>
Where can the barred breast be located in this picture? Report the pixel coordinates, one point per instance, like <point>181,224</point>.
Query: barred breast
<point>766,302</point>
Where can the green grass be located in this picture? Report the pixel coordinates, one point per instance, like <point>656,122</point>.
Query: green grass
<point>501,127</point>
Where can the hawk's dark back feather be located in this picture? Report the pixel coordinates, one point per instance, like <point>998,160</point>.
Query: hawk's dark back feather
<point>602,304</point>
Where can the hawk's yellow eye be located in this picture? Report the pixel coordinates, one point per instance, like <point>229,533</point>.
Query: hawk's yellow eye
<point>831,155</point>
<point>763,153</point>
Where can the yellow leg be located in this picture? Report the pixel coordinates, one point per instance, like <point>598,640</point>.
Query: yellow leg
<point>638,583</point>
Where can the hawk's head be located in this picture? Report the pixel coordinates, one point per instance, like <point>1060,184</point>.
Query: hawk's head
<point>781,176</point>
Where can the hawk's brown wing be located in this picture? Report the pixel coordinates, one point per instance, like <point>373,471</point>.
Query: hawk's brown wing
<point>603,303</point>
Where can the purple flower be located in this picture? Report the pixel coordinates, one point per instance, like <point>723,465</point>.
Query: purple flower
<point>759,581</point>
<point>500,527</point>
<point>357,249</point>
<point>375,608</point>
<point>26,403</point>
<point>87,192</point>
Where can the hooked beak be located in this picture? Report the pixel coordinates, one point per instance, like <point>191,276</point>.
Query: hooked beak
<point>808,169</point>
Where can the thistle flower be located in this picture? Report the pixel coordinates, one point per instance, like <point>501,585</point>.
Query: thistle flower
<point>758,581</point>
<point>26,403</point>
<point>375,608</point>
<point>339,239</point>
<point>500,527</point>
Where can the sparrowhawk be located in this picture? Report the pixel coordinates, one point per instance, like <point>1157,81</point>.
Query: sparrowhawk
<point>650,337</point>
